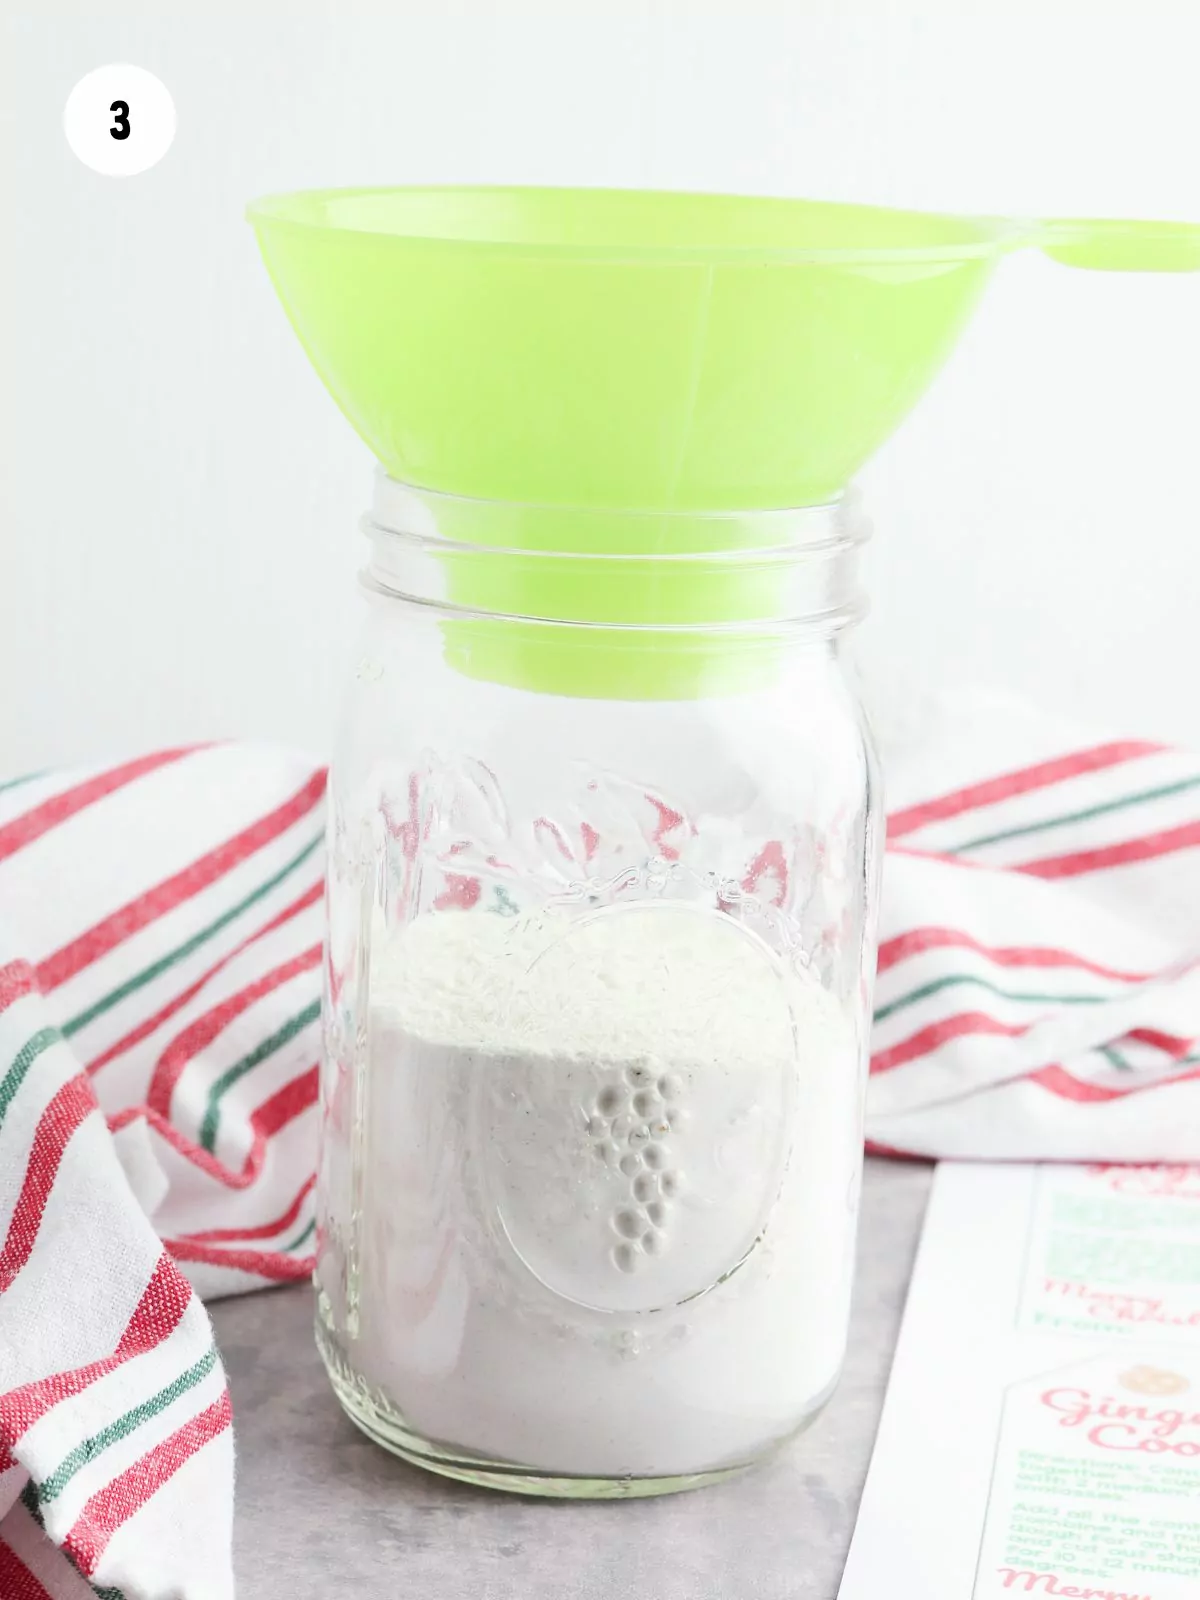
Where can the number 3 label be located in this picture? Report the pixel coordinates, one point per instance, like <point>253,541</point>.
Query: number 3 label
<point>119,120</point>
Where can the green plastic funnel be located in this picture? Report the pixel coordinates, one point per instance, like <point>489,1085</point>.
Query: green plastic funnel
<point>622,350</point>
<point>601,347</point>
<point>593,347</point>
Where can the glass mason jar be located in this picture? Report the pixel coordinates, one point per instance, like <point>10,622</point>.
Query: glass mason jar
<point>602,882</point>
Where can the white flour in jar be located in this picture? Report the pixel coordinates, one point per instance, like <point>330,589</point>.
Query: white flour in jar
<point>610,1180</point>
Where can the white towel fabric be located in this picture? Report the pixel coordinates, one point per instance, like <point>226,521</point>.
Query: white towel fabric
<point>159,956</point>
<point>1038,990</point>
<point>160,945</point>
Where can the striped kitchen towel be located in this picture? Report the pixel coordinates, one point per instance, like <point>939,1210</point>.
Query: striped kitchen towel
<point>1038,987</point>
<point>160,945</point>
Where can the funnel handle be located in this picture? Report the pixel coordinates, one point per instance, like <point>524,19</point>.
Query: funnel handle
<point>1110,245</point>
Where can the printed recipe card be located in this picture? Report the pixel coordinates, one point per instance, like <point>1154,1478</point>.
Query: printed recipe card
<point>1041,1434</point>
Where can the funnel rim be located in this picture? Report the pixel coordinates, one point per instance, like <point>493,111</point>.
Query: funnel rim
<point>988,235</point>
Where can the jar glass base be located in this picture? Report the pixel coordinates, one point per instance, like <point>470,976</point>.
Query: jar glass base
<point>385,1426</point>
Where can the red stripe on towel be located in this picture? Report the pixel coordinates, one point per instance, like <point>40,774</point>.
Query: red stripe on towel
<point>113,1505</point>
<point>173,891</point>
<point>1003,787</point>
<point>73,1103</point>
<point>940,1033</point>
<point>23,830</point>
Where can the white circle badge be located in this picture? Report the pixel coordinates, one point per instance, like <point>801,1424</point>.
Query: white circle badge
<point>119,120</point>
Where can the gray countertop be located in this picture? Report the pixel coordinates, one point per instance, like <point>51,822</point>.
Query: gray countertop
<point>321,1511</point>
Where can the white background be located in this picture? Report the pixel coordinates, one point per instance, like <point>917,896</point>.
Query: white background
<point>179,496</point>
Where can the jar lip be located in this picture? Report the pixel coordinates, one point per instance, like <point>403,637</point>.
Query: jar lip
<point>764,632</point>
<point>616,569</point>
<point>744,559</point>
<point>438,520</point>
